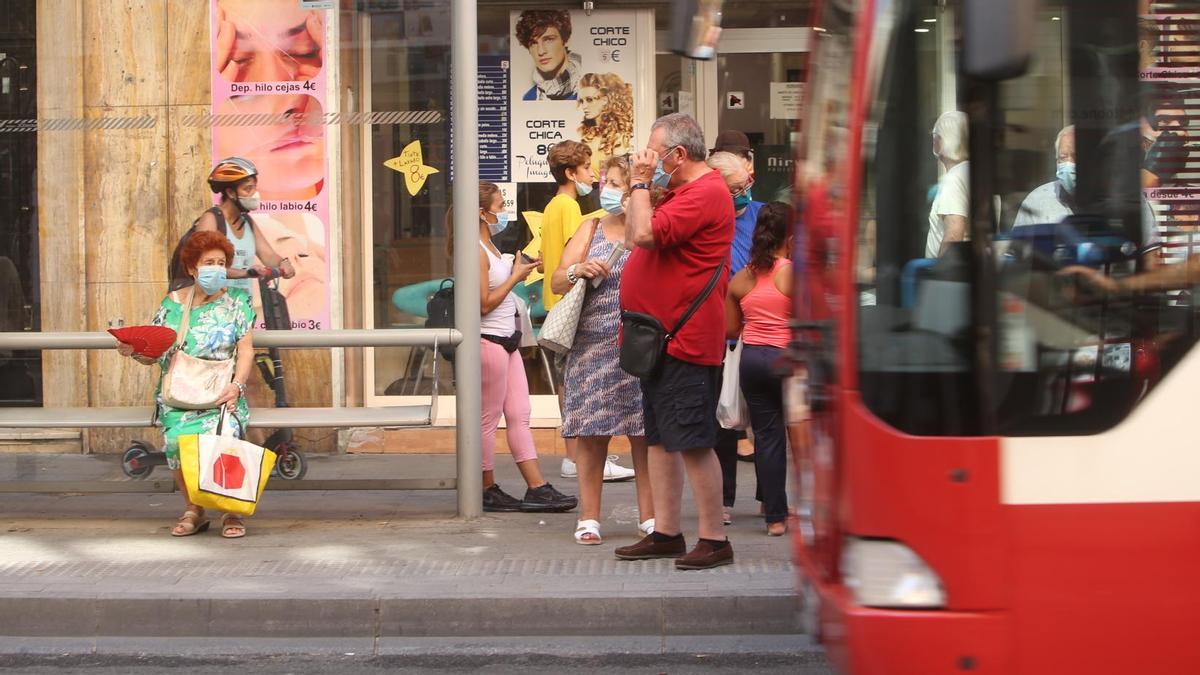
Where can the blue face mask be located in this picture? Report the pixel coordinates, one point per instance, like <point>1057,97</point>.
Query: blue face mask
<point>211,278</point>
<point>583,189</point>
<point>500,224</point>
<point>741,201</point>
<point>1066,176</point>
<point>610,200</point>
<point>661,178</point>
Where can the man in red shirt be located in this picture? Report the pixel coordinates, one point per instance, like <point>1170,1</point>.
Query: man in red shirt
<point>676,248</point>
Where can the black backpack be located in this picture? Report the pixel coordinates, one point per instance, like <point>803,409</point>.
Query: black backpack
<point>440,310</point>
<point>177,276</point>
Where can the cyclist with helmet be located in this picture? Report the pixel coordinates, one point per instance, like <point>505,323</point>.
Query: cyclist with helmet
<point>236,180</point>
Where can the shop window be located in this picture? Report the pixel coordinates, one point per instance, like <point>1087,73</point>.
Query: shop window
<point>20,372</point>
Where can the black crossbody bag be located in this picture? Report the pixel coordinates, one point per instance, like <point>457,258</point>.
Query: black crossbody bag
<point>644,339</point>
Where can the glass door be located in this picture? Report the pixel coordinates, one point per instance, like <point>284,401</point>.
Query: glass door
<point>759,94</point>
<point>20,372</point>
<point>755,86</point>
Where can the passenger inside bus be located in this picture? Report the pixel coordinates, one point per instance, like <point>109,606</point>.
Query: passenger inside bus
<point>1070,346</point>
<point>951,207</point>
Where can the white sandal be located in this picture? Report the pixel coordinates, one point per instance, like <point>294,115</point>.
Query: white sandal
<point>646,526</point>
<point>587,533</point>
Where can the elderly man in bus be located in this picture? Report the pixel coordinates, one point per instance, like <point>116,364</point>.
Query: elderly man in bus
<point>951,207</point>
<point>1053,201</point>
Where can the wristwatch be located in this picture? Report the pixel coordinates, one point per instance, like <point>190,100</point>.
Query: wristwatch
<point>241,389</point>
<point>639,186</point>
<point>571,276</point>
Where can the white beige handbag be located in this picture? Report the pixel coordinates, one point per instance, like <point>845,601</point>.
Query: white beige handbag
<point>558,330</point>
<point>192,383</point>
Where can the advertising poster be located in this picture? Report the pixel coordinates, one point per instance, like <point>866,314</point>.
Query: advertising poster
<point>1170,72</point>
<point>572,77</point>
<point>268,104</point>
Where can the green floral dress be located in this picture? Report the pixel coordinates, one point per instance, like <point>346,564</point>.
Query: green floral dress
<point>213,333</point>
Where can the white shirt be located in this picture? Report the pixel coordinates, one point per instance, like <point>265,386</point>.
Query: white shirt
<point>1045,205</point>
<point>953,199</point>
<point>502,321</point>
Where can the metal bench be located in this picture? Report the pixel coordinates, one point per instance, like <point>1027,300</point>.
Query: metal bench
<point>420,415</point>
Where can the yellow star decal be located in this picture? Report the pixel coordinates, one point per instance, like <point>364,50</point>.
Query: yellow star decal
<point>411,163</point>
<point>534,220</point>
<point>534,248</point>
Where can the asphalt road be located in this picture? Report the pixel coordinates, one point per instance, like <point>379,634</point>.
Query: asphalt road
<point>806,663</point>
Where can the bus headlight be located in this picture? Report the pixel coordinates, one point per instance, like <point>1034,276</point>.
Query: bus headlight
<point>886,573</point>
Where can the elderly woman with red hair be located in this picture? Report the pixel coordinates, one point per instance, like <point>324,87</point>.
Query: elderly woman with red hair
<point>219,324</point>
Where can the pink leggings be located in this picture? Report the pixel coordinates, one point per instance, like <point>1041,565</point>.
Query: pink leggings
<point>505,390</point>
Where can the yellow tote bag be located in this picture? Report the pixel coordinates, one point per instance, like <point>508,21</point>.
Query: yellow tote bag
<point>224,473</point>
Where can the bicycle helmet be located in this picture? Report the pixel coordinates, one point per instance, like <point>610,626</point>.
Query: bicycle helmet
<point>229,172</point>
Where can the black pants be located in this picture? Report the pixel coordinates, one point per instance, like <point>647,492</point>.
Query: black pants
<point>763,388</point>
<point>727,443</point>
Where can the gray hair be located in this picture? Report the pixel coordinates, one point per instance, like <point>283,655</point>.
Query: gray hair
<point>952,128</point>
<point>683,131</point>
<point>728,164</point>
<point>1069,129</point>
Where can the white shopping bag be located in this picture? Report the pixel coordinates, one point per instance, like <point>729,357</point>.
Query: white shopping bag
<point>732,412</point>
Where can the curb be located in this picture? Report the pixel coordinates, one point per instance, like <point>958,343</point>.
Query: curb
<point>585,614</point>
<point>18,649</point>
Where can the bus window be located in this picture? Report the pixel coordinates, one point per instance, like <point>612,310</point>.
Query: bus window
<point>912,267</point>
<point>1093,287</point>
<point>1090,171</point>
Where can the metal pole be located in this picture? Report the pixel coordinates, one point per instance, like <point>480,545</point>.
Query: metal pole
<point>464,63</point>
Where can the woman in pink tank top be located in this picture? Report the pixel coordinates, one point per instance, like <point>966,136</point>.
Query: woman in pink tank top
<point>758,308</point>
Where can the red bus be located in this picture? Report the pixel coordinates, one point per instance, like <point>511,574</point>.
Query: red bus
<point>992,427</point>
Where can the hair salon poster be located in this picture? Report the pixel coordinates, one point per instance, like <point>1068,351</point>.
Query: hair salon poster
<point>1170,72</point>
<point>572,77</point>
<point>268,99</point>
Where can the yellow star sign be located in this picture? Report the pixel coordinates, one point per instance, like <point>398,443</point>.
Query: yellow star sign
<point>534,220</point>
<point>411,163</point>
<point>534,248</point>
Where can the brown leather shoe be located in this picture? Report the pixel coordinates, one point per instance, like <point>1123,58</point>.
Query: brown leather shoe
<point>705,556</point>
<point>648,548</point>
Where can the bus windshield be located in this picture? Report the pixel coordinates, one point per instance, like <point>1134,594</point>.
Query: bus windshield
<point>1086,165</point>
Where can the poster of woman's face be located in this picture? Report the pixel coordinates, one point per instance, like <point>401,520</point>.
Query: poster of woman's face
<point>545,34</point>
<point>300,237</point>
<point>268,41</point>
<point>606,101</point>
<point>289,151</point>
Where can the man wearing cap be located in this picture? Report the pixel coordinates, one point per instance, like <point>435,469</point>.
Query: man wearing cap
<point>732,140</point>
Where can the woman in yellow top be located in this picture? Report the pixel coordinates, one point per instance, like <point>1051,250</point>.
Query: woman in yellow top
<point>571,166</point>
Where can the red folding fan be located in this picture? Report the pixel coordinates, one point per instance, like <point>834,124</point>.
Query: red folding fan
<point>148,341</point>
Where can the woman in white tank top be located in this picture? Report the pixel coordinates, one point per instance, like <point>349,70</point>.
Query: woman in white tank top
<point>504,386</point>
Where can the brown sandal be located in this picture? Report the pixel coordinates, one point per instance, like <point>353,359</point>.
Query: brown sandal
<point>190,523</point>
<point>232,526</point>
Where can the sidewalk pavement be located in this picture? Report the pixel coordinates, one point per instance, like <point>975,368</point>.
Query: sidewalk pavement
<point>362,566</point>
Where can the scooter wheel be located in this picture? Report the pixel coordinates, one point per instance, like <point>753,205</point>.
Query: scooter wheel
<point>134,463</point>
<point>290,465</point>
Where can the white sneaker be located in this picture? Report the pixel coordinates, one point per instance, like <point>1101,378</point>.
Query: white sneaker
<point>568,469</point>
<point>615,473</point>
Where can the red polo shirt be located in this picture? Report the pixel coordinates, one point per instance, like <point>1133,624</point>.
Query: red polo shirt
<point>693,230</point>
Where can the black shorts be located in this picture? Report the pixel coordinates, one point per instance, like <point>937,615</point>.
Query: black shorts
<point>680,405</point>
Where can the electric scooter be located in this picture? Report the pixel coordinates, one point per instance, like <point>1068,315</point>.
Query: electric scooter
<point>140,457</point>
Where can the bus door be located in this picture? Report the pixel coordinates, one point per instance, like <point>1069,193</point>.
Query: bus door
<point>822,238</point>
